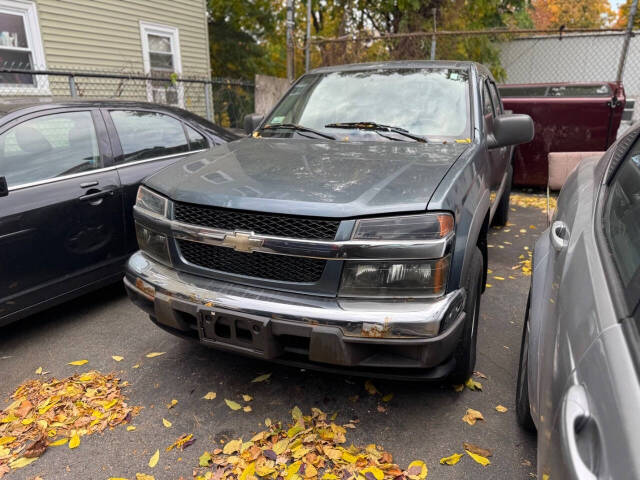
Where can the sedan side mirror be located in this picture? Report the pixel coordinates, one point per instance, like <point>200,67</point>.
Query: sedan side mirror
<point>510,130</point>
<point>251,122</point>
<point>4,189</point>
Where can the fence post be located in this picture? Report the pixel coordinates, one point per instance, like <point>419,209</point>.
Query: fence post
<point>433,37</point>
<point>627,39</point>
<point>72,86</point>
<point>208,101</point>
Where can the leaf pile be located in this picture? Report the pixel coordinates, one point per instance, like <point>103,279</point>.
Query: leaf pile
<point>57,412</point>
<point>311,447</point>
<point>533,201</point>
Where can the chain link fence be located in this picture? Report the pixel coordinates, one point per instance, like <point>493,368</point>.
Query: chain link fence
<point>514,56</point>
<point>222,100</point>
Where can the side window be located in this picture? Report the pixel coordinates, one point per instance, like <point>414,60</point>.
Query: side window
<point>486,101</point>
<point>497,106</point>
<point>148,134</point>
<point>621,222</point>
<point>49,146</point>
<point>196,141</point>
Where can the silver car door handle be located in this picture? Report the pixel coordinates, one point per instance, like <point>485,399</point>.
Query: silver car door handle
<point>573,416</point>
<point>559,234</point>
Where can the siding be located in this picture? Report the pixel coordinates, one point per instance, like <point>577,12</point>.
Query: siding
<point>105,34</point>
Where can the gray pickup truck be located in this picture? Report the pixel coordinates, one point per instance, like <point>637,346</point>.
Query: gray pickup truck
<point>347,233</point>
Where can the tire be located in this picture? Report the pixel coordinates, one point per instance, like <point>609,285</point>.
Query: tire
<point>523,406</point>
<point>465,353</point>
<point>501,217</point>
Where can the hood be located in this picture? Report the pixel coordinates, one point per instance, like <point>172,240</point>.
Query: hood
<point>310,177</point>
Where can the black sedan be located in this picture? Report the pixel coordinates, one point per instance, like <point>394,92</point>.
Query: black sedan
<point>69,173</point>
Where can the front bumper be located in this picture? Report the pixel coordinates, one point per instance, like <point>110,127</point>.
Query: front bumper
<point>399,339</point>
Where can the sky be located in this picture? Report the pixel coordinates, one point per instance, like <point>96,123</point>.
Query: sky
<point>615,4</point>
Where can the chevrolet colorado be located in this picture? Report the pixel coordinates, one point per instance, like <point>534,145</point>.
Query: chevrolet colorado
<point>348,232</point>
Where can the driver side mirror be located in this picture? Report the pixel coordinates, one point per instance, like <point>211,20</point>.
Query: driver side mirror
<point>4,189</point>
<point>511,129</point>
<point>251,122</point>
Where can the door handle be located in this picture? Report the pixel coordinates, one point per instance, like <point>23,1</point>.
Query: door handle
<point>90,197</point>
<point>559,234</point>
<point>574,415</point>
<point>89,184</point>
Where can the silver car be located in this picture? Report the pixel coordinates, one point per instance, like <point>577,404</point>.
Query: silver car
<point>578,382</point>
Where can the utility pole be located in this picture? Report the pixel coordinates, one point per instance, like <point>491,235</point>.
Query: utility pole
<point>307,43</point>
<point>627,39</point>
<point>433,37</point>
<point>290,52</point>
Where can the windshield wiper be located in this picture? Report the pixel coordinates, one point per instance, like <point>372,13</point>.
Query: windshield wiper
<point>299,128</point>
<point>377,127</point>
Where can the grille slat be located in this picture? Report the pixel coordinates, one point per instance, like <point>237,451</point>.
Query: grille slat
<point>261,265</point>
<point>257,222</point>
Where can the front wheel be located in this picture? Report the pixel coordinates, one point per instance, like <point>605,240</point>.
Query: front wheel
<point>465,354</point>
<point>523,407</point>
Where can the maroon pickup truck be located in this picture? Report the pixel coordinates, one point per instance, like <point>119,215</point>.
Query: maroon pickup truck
<point>568,117</point>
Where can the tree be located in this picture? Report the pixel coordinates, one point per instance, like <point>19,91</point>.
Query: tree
<point>623,16</point>
<point>571,13</point>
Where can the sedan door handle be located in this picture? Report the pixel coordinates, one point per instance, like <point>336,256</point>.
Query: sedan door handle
<point>96,195</point>
<point>574,415</point>
<point>89,184</point>
<point>559,234</point>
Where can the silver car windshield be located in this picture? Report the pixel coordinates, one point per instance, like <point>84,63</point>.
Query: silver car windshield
<point>430,102</point>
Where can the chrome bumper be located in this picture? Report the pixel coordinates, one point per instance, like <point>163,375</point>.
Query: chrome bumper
<point>357,333</point>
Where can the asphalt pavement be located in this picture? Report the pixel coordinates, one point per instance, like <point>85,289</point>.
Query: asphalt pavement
<point>420,422</point>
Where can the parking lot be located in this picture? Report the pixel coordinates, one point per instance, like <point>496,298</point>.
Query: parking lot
<point>419,422</point>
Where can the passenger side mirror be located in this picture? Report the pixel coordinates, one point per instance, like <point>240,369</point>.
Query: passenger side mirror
<point>4,189</point>
<point>510,130</point>
<point>251,122</point>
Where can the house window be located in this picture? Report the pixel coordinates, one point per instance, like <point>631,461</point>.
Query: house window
<point>20,44</point>
<point>161,56</point>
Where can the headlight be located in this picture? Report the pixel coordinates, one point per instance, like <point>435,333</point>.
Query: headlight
<point>415,278</point>
<point>151,201</point>
<point>408,227</point>
<point>152,243</point>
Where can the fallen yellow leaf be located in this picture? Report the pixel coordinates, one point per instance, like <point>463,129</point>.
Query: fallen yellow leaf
<point>471,384</point>
<point>247,398</point>
<point>137,365</point>
<point>154,354</point>
<point>153,461</point>
<point>451,459</point>
<point>471,416</point>
<point>370,387</point>
<point>388,397</point>
<point>232,405</point>
<point>261,378</point>
<point>376,472</point>
<point>117,358</point>
<point>172,403</point>
<point>59,442</point>
<point>144,476</point>
<point>479,458</point>
<point>296,413</point>
<point>166,423</point>
<point>5,440</point>
<point>210,396</point>
<point>130,428</point>
<point>204,459</point>
<point>21,462</point>
<point>39,371</point>
<point>78,362</point>
<point>246,408</point>
<point>75,441</point>
<point>232,446</point>
<point>417,470</point>
<point>501,408</point>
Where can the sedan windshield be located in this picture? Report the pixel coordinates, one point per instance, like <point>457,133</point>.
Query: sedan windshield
<point>427,102</point>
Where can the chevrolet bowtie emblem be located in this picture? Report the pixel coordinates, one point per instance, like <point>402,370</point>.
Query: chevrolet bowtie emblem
<point>242,242</point>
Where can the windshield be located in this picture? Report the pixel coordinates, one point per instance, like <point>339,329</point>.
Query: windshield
<point>432,102</point>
